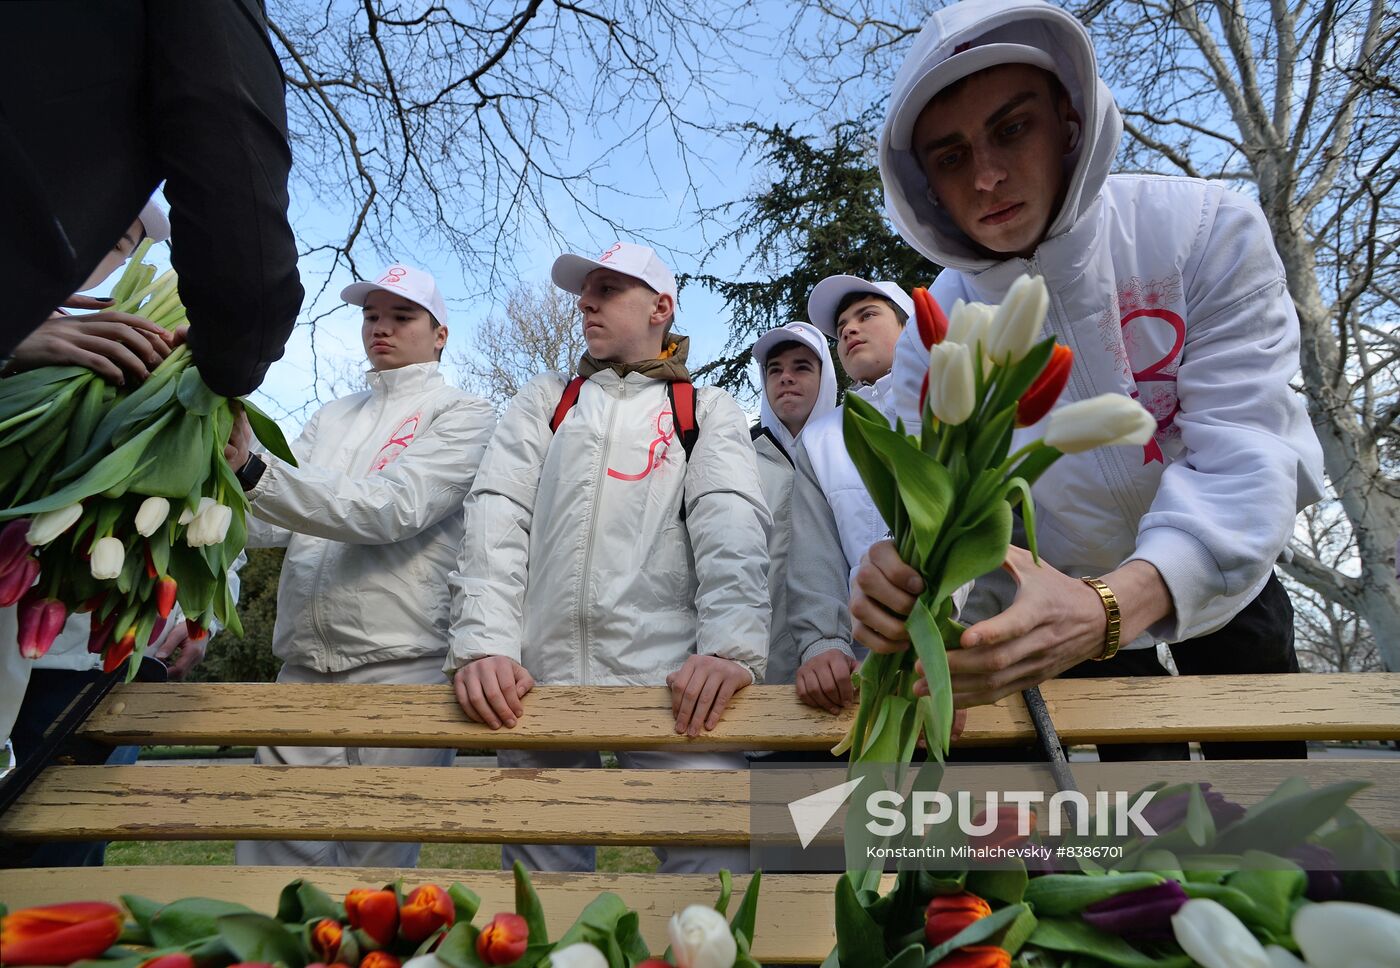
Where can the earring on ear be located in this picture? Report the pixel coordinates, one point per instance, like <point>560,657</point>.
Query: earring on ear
<point>932,198</point>
<point>1073,136</point>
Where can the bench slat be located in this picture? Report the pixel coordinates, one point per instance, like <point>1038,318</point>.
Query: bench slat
<point>475,805</point>
<point>1333,707</point>
<point>795,911</point>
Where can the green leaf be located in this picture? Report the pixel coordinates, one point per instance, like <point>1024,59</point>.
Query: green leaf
<point>726,890</point>
<point>910,957</point>
<point>527,904</point>
<point>86,417</point>
<point>1287,821</point>
<point>1055,895</point>
<point>1273,884</point>
<point>859,941</point>
<point>303,901</point>
<point>190,919</point>
<point>929,647</point>
<point>458,948</point>
<point>268,433</point>
<point>874,469</point>
<point>747,915</point>
<point>1077,937</point>
<point>259,938</point>
<point>466,902</point>
<point>1015,380</point>
<point>142,909</point>
<point>177,461</point>
<point>1237,902</point>
<point>1200,825</point>
<point>1007,886</point>
<point>993,439</point>
<point>976,552</point>
<point>195,395</point>
<point>1036,462</point>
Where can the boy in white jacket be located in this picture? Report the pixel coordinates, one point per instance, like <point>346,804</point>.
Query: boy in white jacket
<point>371,520</point>
<point>995,158</point>
<point>598,553</point>
<point>834,520</point>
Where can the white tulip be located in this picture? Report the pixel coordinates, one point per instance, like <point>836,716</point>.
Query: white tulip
<point>968,323</point>
<point>45,527</point>
<point>1278,957</point>
<point>951,390</point>
<point>700,938</point>
<point>581,955</point>
<point>108,558</point>
<point>1015,327</point>
<point>1343,934</point>
<point>1216,938</point>
<point>1103,421</point>
<point>189,514</point>
<point>151,515</point>
<point>210,525</point>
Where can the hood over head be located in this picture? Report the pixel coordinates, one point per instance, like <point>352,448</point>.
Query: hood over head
<point>971,36</point>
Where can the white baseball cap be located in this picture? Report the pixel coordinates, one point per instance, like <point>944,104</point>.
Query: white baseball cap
<point>1013,43</point>
<point>415,285</point>
<point>796,331</point>
<point>154,223</point>
<point>827,295</point>
<point>638,261</point>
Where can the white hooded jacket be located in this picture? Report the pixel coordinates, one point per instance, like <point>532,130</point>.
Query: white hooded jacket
<point>371,520</point>
<point>1168,290</point>
<point>776,447</point>
<point>577,562</point>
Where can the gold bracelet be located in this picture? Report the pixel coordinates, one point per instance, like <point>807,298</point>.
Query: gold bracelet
<point>1115,622</point>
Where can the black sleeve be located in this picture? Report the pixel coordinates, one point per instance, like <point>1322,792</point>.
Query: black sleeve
<point>219,121</point>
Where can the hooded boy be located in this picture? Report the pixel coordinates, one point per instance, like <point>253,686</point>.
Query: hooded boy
<point>371,520</point>
<point>605,545</point>
<point>799,386</point>
<point>995,157</point>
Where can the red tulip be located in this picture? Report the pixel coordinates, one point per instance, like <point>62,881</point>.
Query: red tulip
<point>1042,394</point>
<point>165,596</point>
<point>18,580</point>
<point>376,913</point>
<point>326,937</point>
<point>1006,829</point>
<point>197,632</point>
<point>13,547</point>
<point>177,960</point>
<point>427,909</point>
<point>380,959</point>
<point>101,632</point>
<point>655,963</point>
<point>503,940</point>
<point>40,621</point>
<point>59,934</point>
<point>976,956</point>
<point>120,652</point>
<point>929,318</point>
<point>947,915</point>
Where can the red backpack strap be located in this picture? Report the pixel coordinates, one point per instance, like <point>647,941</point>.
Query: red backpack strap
<point>682,394</point>
<point>566,402</point>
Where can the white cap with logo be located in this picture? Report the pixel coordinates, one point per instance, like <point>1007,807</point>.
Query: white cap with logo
<point>154,223</point>
<point>638,261</point>
<point>415,285</point>
<point>827,295</point>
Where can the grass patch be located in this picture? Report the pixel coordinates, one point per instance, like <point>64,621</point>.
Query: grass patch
<point>450,856</point>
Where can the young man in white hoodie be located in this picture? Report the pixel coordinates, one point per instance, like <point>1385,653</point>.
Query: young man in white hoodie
<point>799,386</point>
<point>995,158</point>
<point>371,520</point>
<point>616,535</point>
<point>834,520</point>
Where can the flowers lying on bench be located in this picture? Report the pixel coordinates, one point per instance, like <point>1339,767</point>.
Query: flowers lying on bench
<point>428,928</point>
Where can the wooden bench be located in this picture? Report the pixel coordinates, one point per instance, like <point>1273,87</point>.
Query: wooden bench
<point>647,808</point>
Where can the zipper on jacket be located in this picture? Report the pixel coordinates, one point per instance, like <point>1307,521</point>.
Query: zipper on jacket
<point>588,545</point>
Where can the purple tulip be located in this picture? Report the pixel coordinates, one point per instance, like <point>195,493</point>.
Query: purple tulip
<point>1163,815</point>
<point>1144,915</point>
<point>1324,883</point>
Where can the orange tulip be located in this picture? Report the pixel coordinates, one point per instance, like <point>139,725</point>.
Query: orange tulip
<point>59,934</point>
<point>976,956</point>
<point>427,909</point>
<point>503,940</point>
<point>1042,394</point>
<point>376,913</point>
<point>380,959</point>
<point>326,937</point>
<point>947,915</point>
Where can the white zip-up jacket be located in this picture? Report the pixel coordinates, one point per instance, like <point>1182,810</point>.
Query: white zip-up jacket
<point>371,520</point>
<point>1168,290</point>
<point>858,521</point>
<point>577,563</point>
